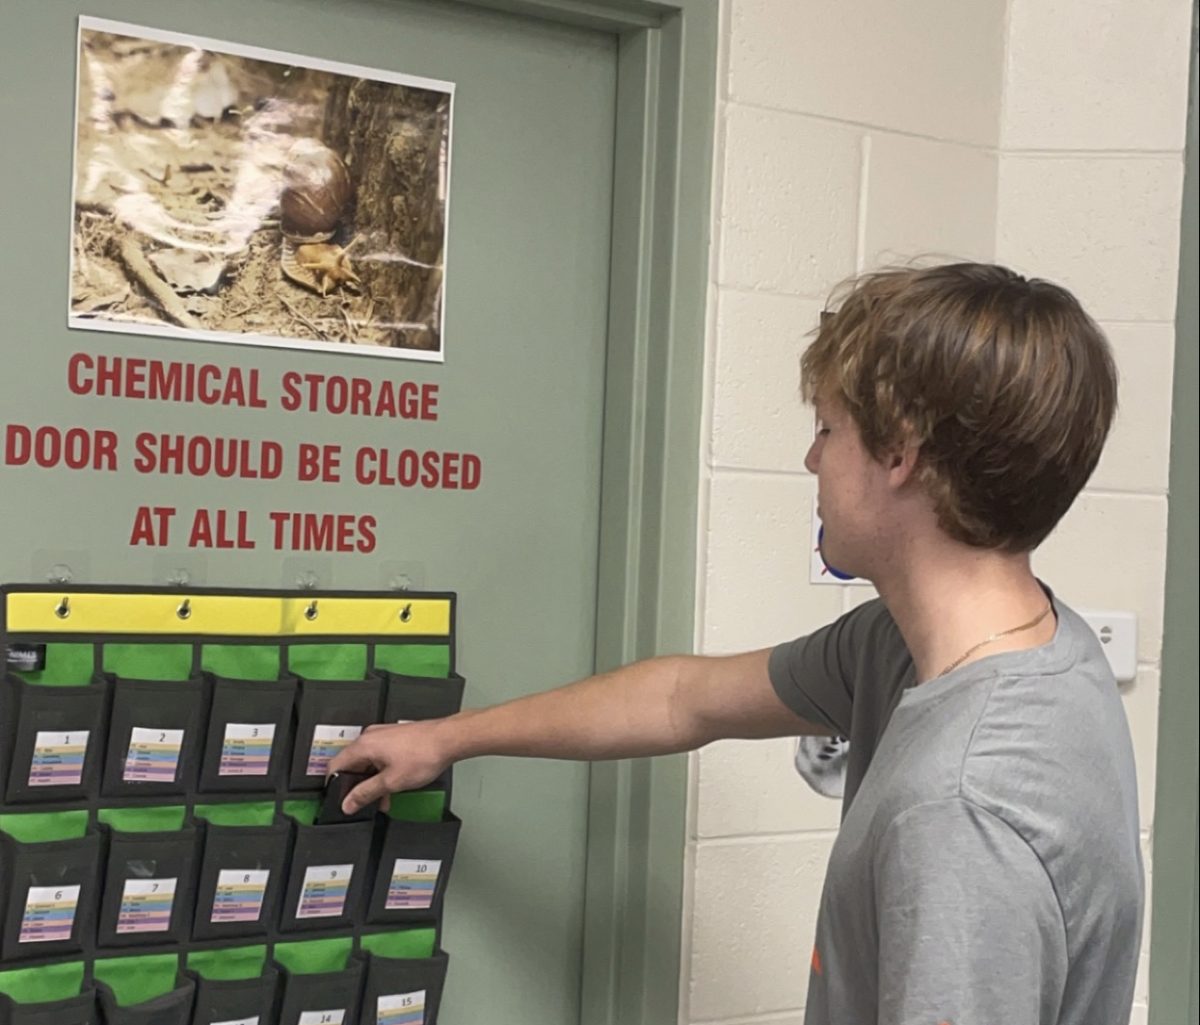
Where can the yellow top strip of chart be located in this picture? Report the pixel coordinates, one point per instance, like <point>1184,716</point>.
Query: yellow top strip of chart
<point>224,615</point>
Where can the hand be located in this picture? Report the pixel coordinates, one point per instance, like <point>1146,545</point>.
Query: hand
<point>402,757</point>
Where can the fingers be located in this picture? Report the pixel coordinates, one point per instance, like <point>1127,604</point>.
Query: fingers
<point>367,792</point>
<point>354,757</point>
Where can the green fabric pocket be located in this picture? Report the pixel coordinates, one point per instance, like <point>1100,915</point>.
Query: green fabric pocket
<point>328,661</point>
<point>67,665</point>
<point>414,659</point>
<point>134,980</point>
<point>418,806</point>
<point>407,944</point>
<point>230,963</point>
<point>237,813</point>
<point>242,661</point>
<point>302,809</point>
<point>315,957</point>
<point>43,984</point>
<point>43,827</point>
<point>149,661</point>
<point>166,819</point>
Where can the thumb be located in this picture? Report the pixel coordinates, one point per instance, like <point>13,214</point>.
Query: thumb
<point>369,791</point>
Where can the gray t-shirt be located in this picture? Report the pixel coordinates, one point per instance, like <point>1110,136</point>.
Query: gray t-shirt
<point>988,869</point>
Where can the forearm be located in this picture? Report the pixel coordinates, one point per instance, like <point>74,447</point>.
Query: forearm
<point>632,712</point>
<point>659,706</point>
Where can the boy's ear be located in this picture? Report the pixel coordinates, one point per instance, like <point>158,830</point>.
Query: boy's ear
<point>902,462</point>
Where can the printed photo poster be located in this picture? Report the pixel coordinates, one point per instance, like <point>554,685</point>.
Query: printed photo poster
<point>229,193</point>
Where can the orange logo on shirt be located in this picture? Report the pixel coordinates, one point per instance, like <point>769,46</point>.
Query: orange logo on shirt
<point>816,961</point>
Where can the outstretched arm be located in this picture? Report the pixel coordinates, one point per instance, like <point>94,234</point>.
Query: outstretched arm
<point>658,706</point>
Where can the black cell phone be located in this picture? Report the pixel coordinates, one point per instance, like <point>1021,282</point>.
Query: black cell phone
<point>337,787</point>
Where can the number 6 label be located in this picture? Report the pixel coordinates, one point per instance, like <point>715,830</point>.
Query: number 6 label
<point>49,914</point>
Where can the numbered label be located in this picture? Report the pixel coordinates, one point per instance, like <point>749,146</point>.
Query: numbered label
<point>153,755</point>
<point>323,894</point>
<point>327,741</point>
<point>240,895</point>
<point>146,905</point>
<point>401,1009</point>
<point>49,914</point>
<point>322,1017</point>
<point>246,749</point>
<point>58,759</point>
<point>238,1021</point>
<point>413,884</point>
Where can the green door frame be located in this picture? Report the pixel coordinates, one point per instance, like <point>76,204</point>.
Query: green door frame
<point>658,280</point>
<point>1175,929</point>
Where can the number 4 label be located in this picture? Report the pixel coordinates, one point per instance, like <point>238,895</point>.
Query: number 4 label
<point>328,741</point>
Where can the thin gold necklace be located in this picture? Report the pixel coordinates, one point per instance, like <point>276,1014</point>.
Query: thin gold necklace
<point>995,637</point>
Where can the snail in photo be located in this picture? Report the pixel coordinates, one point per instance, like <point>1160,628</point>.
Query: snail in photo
<point>316,192</point>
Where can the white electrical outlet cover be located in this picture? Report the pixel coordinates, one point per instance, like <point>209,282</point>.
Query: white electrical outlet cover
<point>1117,633</point>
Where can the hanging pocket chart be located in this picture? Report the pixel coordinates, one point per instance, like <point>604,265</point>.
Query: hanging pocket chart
<point>161,759</point>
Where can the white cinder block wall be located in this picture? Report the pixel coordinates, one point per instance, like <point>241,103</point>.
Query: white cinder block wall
<point>1047,135</point>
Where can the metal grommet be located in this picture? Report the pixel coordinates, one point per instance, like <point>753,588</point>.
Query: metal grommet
<point>310,613</point>
<point>63,608</point>
<point>406,613</point>
<point>185,609</point>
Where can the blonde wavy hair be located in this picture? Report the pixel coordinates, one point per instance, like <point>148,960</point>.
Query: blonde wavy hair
<point>1006,384</point>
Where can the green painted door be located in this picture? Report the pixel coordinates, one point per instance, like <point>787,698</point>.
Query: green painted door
<point>522,388</point>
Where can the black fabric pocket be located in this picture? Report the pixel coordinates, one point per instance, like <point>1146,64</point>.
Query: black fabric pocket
<point>174,1008</point>
<point>241,877</point>
<point>414,865</point>
<point>325,998</point>
<point>154,739</point>
<point>77,1010</point>
<point>236,1000</point>
<point>58,736</point>
<point>51,890</point>
<point>327,876</point>
<point>403,992</point>
<point>329,715</point>
<point>149,888</point>
<point>417,698</point>
<point>249,735</point>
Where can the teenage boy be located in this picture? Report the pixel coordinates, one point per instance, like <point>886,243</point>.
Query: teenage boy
<point>987,871</point>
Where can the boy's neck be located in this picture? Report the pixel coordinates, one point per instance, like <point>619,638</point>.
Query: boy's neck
<point>946,598</point>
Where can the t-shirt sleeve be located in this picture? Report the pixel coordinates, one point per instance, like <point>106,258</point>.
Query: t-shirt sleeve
<point>970,929</point>
<point>814,675</point>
